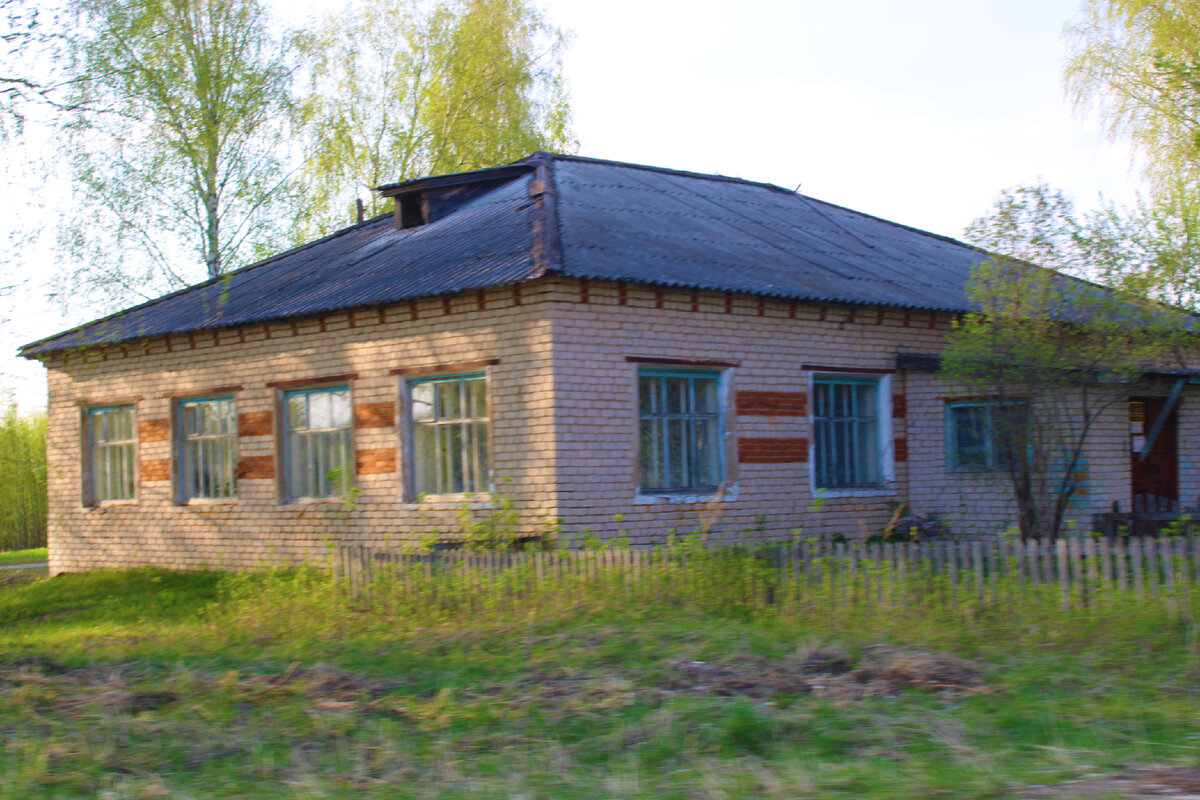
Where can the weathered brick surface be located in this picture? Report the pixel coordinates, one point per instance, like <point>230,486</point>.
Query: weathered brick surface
<point>154,469</point>
<point>767,450</point>
<point>562,384</point>
<point>375,461</point>
<point>374,415</point>
<point>771,404</point>
<point>255,467</point>
<point>154,430</point>
<point>257,423</point>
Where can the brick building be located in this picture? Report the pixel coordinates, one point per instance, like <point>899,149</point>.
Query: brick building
<point>618,349</point>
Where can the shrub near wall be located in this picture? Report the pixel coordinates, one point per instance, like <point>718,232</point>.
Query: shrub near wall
<point>22,480</point>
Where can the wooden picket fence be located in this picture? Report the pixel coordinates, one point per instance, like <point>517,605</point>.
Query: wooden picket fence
<point>1079,571</point>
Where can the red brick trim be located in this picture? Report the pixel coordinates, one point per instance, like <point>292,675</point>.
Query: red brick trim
<point>374,415</point>
<point>111,401</point>
<point>349,376</point>
<point>256,423</point>
<point>682,362</point>
<point>461,366</point>
<point>847,370</point>
<point>899,406</point>
<point>256,467</point>
<point>771,404</point>
<point>900,449</point>
<point>176,395</point>
<point>763,450</point>
<point>375,461</point>
<point>154,469</point>
<point>154,430</point>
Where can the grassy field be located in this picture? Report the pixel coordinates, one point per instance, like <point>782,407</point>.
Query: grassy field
<point>28,556</point>
<point>154,684</point>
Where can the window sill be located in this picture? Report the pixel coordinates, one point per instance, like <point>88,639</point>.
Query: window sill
<point>454,501</point>
<point>103,504</point>
<point>209,502</point>
<point>682,498</point>
<point>865,491</point>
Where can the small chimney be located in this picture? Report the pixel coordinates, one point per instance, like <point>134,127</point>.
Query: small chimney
<point>360,208</point>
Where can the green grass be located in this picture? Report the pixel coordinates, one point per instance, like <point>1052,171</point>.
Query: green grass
<point>155,684</point>
<point>28,556</point>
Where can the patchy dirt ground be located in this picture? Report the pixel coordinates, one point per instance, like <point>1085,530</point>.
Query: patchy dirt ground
<point>830,672</point>
<point>1180,783</point>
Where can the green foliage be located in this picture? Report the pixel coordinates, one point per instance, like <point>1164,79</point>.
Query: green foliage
<point>1066,350</point>
<point>406,89</point>
<point>176,142</point>
<point>1136,62</point>
<point>22,480</point>
<point>150,683</point>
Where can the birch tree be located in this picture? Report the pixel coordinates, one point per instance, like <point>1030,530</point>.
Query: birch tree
<point>411,88</point>
<point>177,143</point>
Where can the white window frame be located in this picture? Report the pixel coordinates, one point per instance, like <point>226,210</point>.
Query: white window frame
<point>100,455</point>
<point>479,458</point>
<point>692,490</point>
<point>194,453</point>
<point>300,489</point>
<point>884,445</point>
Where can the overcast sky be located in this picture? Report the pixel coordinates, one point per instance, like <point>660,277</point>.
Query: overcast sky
<point>919,112</point>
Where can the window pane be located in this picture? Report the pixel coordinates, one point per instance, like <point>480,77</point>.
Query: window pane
<point>320,411</point>
<point>340,409</point>
<point>450,451</point>
<point>648,395</point>
<point>477,392</point>
<point>425,460</point>
<point>705,390</point>
<point>707,458</point>
<point>649,457</point>
<point>845,433</point>
<point>677,395</point>
<point>969,436</point>
<point>677,457</point>
<point>297,412</point>
<point>422,401</point>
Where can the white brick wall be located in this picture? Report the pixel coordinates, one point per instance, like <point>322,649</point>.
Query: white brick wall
<point>563,430</point>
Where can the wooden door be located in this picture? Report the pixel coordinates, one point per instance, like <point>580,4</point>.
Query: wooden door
<point>1155,479</point>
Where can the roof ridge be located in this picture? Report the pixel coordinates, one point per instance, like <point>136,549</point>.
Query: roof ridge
<point>205,283</point>
<point>683,173</point>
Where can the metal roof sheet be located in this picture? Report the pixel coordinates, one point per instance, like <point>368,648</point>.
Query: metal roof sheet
<point>609,221</point>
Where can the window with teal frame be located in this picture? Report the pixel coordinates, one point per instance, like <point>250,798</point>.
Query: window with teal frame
<point>449,419</point>
<point>112,444</point>
<point>846,432</point>
<point>318,458</point>
<point>983,435</point>
<point>680,431</point>
<point>207,431</point>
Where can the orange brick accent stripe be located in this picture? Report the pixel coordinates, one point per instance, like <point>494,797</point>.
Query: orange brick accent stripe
<point>256,423</point>
<point>349,376</point>
<point>757,450</point>
<point>461,366</point>
<point>899,406</point>
<point>375,461</point>
<point>157,469</point>
<point>682,362</point>
<point>374,415</point>
<point>772,404</point>
<point>900,451</point>
<point>154,430</point>
<point>256,467</point>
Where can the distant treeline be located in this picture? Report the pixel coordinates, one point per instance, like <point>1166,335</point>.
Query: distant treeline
<point>22,479</point>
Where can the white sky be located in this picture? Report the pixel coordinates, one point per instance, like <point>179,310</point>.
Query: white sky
<point>919,112</point>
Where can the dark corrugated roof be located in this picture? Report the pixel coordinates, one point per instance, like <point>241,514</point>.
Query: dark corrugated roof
<point>597,219</point>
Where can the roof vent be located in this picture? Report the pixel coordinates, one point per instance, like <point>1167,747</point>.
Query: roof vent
<point>410,210</point>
